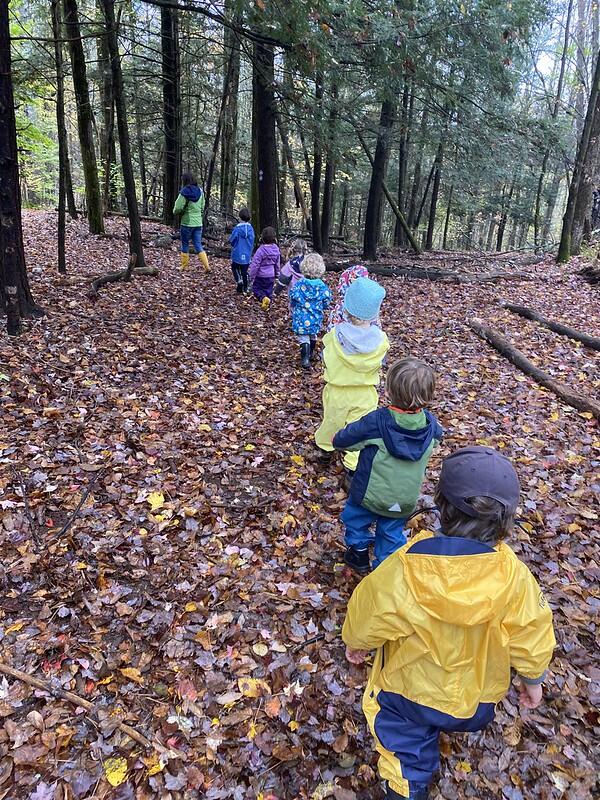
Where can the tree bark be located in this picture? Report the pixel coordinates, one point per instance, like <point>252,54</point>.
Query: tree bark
<point>407,108</point>
<point>504,215</point>
<point>435,191</point>
<point>516,357</point>
<point>85,118</point>
<point>583,168</point>
<point>136,247</point>
<point>592,342</point>
<point>63,154</point>
<point>344,209</point>
<point>15,295</point>
<point>108,151</point>
<point>230,120</point>
<point>447,220</point>
<point>287,150</point>
<point>416,183</point>
<point>387,119</point>
<point>264,165</point>
<point>171,73</point>
<point>215,147</point>
<point>329,177</point>
<point>315,184</point>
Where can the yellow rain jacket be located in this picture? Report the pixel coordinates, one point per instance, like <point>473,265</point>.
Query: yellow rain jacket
<point>450,617</point>
<point>349,393</point>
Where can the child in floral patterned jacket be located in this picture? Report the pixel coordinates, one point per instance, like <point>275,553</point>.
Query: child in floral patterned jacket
<point>309,298</point>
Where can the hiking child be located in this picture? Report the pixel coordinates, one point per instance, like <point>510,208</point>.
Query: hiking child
<point>242,244</point>
<point>308,300</point>
<point>394,443</point>
<point>450,615</point>
<point>190,205</point>
<point>264,268</point>
<point>291,272</point>
<point>348,276</point>
<point>353,352</point>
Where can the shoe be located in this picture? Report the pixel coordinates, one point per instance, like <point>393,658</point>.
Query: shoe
<point>349,474</point>
<point>265,303</point>
<point>324,456</point>
<point>305,355</point>
<point>239,287</point>
<point>359,561</point>
<point>185,260</point>
<point>203,258</point>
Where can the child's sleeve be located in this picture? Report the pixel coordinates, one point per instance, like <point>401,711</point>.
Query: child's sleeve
<point>375,612</point>
<point>234,236</point>
<point>530,631</point>
<point>356,435</point>
<point>255,264</point>
<point>179,204</point>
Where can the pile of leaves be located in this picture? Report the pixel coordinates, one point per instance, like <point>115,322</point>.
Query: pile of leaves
<point>171,551</point>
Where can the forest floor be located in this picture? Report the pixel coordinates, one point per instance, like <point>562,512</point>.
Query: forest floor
<point>198,594</point>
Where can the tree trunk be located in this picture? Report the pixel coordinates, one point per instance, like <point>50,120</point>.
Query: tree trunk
<point>407,106</point>
<point>315,188</point>
<point>344,209</point>
<point>108,152</point>
<point>416,184</point>
<point>139,131</point>
<point>63,154</point>
<point>561,76</point>
<point>135,239</point>
<point>15,296</point>
<point>382,151</point>
<point>329,178</point>
<point>171,73</point>
<point>504,216</point>
<point>230,119</point>
<point>264,165</point>
<point>84,118</point>
<point>435,191</point>
<point>447,220</point>
<point>287,150</point>
<point>582,171</point>
<point>215,147</point>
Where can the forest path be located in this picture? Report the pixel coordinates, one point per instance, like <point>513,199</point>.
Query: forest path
<point>209,548</point>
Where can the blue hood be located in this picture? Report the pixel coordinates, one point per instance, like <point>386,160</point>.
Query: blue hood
<point>404,443</point>
<point>191,193</point>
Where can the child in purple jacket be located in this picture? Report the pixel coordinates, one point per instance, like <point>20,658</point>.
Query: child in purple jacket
<point>265,268</point>
<point>291,272</point>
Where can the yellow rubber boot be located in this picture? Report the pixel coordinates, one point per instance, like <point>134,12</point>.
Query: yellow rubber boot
<point>185,260</point>
<point>203,258</point>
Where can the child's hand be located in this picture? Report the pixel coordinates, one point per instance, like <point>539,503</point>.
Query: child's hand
<point>356,656</point>
<point>530,695</point>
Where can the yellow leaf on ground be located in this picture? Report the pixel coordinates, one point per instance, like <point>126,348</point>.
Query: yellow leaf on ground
<point>586,414</point>
<point>464,766</point>
<point>189,607</point>
<point>253,687</point>
<point>299,460</point>
<point>153,764</point>
<point>104,681</point>
<point>132,673</point>
<point>156,500</point>
<point>293,725</point>
<point>252,730</point>
<point>115,770</point>
<point>204,427</point>
<point>15,627</point>
<point>249,447</point>
<point>260,648</point>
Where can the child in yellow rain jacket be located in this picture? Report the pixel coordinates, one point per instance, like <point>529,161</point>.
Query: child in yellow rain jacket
<point>450,616</point>
<point>353,352</point>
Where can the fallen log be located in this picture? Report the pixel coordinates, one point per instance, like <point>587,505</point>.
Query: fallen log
<point>591,273</point>
<point>121,275</point>
<point>516,357</point>
<point>435,274</point>
<point>592,342</point>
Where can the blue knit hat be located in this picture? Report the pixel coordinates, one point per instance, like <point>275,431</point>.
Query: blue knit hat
<point>363,299</point>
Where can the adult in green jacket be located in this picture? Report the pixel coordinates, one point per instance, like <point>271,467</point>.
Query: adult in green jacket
<point>190,204</point>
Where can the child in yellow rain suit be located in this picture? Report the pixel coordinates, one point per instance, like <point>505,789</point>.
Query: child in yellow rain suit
<point>353,352</point>
<point>450,616</point>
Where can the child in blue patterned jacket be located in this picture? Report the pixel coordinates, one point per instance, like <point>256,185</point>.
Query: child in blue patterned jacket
<point>309,298</point>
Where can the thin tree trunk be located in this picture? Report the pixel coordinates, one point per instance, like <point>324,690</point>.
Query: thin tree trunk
<point>230,120</point>
<point>317,167</point>
<point>135,239</point>
<point>63,154</point>
<point>171,73</point>
<point>447,220</point>
<point>287,150</point>
<point>382,151</point>
<point>582,169</point>
<point>215,147</point>
<point>435,191</point>
<point>84,118</point>
<point>416,184</point>
<point>504,216</point>
<point>344,209</point>
<point>407,106</point>
<point>15,296</point>
<point>329,177</point>
<point>540,186</point>
<point>108,152</point>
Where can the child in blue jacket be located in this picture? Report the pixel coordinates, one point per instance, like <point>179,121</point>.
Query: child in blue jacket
<point>242,242</point>
<point>395,444</point>
<point>309,298</point>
